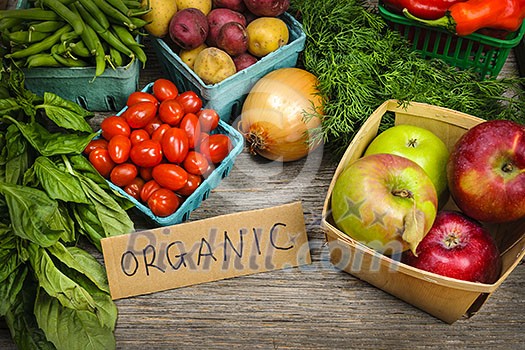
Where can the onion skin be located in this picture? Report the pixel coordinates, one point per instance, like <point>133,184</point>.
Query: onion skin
<point>281,113</point>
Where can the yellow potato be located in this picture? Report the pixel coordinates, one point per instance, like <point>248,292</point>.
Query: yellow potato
<point>159,16</point>
<point>213,65</point>
<point>203,5</point>
<point>189,56</point>
<point>265,35</point>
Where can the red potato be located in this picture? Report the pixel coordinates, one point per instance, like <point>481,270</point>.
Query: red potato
<point>189,28</point>
<point>233,38</point>
<point>244,60</point>
<point>267,8</point>
<point>235,5</point>
<point>217,18</point>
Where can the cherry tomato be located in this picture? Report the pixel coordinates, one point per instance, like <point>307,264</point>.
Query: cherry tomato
<point>159,133</point>
<point>123,174</point>
<point>119,147</point>
<point>146,154</point>
<point>114,125</point>
<point>216,147</point>
<point>145,173</point>
<point>163,202</point>
<point>190,124</point>
<point>171,112</point>
<point>134,187</point>
<point>101,161</point>
<point>170,176</point>
<point>141,96</point>
<point>140,114</point>
<point>190,186</point>
<point>148,188</point>
<point>153,125</point>
<point>164,89</point>
<point>208,118</point>
<point>96,143</point>
<point>190,101</point>
<point>195,163</point>
<point>175,145</point>
<point>138,135</point>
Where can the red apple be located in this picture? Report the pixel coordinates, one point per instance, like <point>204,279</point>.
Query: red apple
<point>384,201</point>
<point>486,171</point>
<point>457,247</point>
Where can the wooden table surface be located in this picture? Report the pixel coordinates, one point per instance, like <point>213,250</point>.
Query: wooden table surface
<point>311,307</point>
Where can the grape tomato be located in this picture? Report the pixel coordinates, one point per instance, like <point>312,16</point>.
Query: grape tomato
<point>163,202</point>
<point>114,125</point>
<point>175,145</point>
<point>146,154</point>
<point>119,147</point>
<point>123,174</point>
<point>141,96</point>
<point>164,89</point>
<point>101,161</point>
<point>140,114</point>
<point>171,112</point>
<point>170,176</point>
<point>208,118</point>
<point>95,143</point>
<point>190,124</point>
<point>138,135</point>
<point>190,101</point>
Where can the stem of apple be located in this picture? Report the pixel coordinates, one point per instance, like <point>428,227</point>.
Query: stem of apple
<point>403,193</point>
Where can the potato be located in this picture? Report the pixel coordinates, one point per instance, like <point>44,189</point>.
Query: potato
<point>267,8</point>
<point>233,38</point>
<point>203,5</point>
<point>244,60</point>
<point>189,56</point>
<point>159,16</point>
<point>213,65</point>
<point>265,35</point>
<point>217,18</point>
<point>188,28</point>
<point>235,5</point>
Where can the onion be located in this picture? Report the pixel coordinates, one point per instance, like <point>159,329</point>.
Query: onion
<point>281,113</point>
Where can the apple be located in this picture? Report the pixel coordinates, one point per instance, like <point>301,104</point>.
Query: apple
<point>457,247</point>
<point>384,201</point>
<point>419,145</point>
<point>486,172</point>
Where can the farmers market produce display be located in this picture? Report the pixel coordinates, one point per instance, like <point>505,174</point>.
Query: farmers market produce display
<point>51,33</point>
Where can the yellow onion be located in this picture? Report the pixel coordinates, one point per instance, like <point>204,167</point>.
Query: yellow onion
<point>281,113</point>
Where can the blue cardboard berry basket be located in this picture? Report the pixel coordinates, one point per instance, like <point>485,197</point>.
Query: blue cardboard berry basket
<point>228,96</point>
<point>203,191</point>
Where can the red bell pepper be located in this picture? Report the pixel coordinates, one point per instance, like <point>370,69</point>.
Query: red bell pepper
<point>465,18</point>
<point>426,9</point>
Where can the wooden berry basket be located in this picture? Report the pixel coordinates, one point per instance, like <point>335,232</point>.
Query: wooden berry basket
<point>445,298</point>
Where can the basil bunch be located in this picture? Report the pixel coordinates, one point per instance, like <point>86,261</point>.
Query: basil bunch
<point>53,294</point>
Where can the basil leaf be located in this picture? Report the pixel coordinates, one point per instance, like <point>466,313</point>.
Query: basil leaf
<point>58,184</point>
<point>65,113</point>
<point>83,262</point>
<point>9,289</point>
<point>50,144</point>
<point>32,213</point>
<point>69,328</point>
<point>56,283</point>
<point>89,224</point>
<point>8,105</point>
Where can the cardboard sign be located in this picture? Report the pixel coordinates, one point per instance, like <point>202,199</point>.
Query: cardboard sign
<point>207,250</point>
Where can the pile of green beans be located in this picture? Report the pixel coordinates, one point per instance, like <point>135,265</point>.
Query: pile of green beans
<point>75,33</point>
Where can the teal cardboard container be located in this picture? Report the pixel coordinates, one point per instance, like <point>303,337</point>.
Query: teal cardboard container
<point>203,191</point>
<point>108,92</point>
<point>228,96</point>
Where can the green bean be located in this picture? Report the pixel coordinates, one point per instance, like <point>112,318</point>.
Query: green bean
<point>69,62</point>
<point>133,4</point>
<point>8,23</point>
<point>94,12</point>
<point>79,49</point>
<point>139,12</point>
<point>119,5</point>
<point>41,60</point>
<point>64,12</point>
<point>139,22</point>
<point>59,48</point>
<point>43,45</point>
<point>104,34</point>
<point>115,57</point>
<point>31,14</point>
<point>128,39</point>
<point>114,14</point>
<point>26,37</point>
<point>100,61</point>
<point>46,26</point>
<point>89,37</point>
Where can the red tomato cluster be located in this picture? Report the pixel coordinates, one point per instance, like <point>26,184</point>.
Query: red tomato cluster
<point>160,149</point>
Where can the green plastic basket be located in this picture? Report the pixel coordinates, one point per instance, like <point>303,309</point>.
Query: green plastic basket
<point>484,54</point>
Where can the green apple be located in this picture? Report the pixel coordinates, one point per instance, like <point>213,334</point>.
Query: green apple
<point>384,201</point>
<point>419,145</point>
